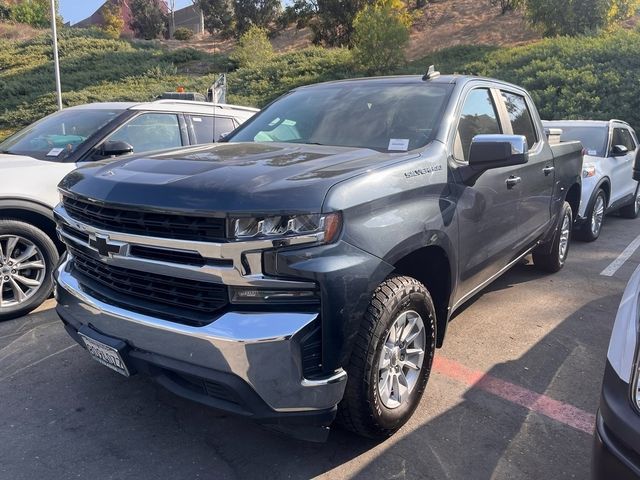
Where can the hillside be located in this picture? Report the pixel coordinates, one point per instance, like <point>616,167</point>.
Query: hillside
<point>440,24</point>
<point>592,77</point>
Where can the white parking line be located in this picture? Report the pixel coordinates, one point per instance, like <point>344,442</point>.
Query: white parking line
<point>623,257</point>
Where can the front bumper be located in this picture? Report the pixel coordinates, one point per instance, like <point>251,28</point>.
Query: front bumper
<point>254,356</point>
<point>617,436</point>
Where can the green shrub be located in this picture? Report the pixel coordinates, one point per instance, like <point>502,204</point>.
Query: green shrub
<point>36,13</point>
<point>253,49</point>
<point>567,17</point>
<point>257,86</point>
<point>569,78</point>
<point>381,33</point>
<point>183,34</point>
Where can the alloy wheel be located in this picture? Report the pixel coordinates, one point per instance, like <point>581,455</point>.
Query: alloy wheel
<point>597,216</point>
<point>22,270</point>
<point>565,232</point>
<point>401,359</point>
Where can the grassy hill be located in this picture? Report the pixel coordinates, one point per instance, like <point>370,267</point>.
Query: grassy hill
<point>593,77</point>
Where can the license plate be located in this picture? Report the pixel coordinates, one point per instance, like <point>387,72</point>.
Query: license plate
<point>106,355</point>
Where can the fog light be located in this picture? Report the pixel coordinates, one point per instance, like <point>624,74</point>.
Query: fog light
<point>246,295</point>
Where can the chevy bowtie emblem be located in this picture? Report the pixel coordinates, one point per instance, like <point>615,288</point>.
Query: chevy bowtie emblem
<point>105,249</point>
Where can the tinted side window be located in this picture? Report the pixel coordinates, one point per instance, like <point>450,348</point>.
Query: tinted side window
<point>210,129</point>
<point>479,117</point>
<point>520,117</point>
<point>618,137</point>
<point>628,140</point>
<point>150,131</point>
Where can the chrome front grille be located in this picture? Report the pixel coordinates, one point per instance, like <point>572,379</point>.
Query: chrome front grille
<point>141,222</point>
<point>187,301</point>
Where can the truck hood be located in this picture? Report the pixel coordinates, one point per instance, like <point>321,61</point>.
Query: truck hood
<point>227,177</point>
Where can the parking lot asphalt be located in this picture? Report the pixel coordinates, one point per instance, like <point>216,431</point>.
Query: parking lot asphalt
<point>512,395</point>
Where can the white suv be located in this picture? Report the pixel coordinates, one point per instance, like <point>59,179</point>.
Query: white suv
<point>607,173</point>
<point>34,160</point>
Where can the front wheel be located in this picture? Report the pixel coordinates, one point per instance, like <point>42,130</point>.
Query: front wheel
<point>27,259</point>
<point>633,209</point>
<point>391,360</point>
<point>553,261</point>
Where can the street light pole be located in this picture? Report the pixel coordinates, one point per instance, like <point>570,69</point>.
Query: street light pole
<point>56,60</point>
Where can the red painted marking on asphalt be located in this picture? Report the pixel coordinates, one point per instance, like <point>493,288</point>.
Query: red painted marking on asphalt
<point>536,402</point>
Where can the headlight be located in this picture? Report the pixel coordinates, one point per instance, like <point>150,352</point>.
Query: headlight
<point>588,170</point>
<point>279,226</point>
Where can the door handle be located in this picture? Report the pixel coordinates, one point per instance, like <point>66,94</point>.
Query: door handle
<point>512,181</point>
<point>548,171</point>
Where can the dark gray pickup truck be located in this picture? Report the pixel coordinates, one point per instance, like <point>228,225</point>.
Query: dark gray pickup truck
<point>308,267</point>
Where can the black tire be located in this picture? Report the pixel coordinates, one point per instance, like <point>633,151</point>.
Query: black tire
<point>590,230</point>
<point>553,261</point>
<point>361,409</point>
<point>50,258</point>
<point>633,209</point>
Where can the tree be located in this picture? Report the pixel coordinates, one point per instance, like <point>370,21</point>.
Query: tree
<point>333,24</point>
<point>568,17</point>
<point>253,49</point>
<point>218,15</point>
<point>112,19</point>
<point>36,13</point>
<point>259,13</point>
<point>506,5</point>
<point>381,32</point>
<point>148,18</point>
<point>621,10</point>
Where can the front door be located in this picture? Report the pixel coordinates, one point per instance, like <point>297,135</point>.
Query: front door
<point>487,211</point>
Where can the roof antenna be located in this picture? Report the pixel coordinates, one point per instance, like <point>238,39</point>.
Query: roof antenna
<point>431,74</point>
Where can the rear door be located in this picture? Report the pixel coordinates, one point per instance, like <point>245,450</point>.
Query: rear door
<point>537,174</point>
<point>208,129</point>
<point>487,211</point>
<point>622,183</point>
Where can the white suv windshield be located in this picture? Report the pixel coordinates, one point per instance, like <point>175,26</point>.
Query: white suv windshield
<point>57,136</point>
<point>383,117</point>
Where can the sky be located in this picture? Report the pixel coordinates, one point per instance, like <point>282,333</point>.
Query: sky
<point>75,10</point>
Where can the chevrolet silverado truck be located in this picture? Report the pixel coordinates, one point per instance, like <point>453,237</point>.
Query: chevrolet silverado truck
<point>307,268</point>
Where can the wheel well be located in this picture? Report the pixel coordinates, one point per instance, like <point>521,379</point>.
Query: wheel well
<point>606,187</point>
<point>573,197</point>
<point>44,223</point>
<point>430,266</point>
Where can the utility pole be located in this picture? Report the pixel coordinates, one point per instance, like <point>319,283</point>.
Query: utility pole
<point>56,60</point>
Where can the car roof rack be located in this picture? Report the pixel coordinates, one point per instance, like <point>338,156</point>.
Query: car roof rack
<point>431,73</point>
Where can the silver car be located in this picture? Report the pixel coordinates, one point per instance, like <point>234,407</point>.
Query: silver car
<point>607,183</point>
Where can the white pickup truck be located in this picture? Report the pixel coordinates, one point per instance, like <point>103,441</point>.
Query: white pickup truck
<point>34,160</point>
<point>607,173</point>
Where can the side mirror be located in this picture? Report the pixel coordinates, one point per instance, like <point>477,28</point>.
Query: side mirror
<point>619,151</point>
<point>494,151</point>
<point>636,167</point>
<point>114,148</point>
<point>223,137</point>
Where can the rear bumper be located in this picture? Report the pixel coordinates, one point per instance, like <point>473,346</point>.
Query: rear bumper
<point>251,360</point>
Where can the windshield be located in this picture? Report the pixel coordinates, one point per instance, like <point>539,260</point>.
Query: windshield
<point>593,139</point>
<point>384,117</point>
<point>57,136</point>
